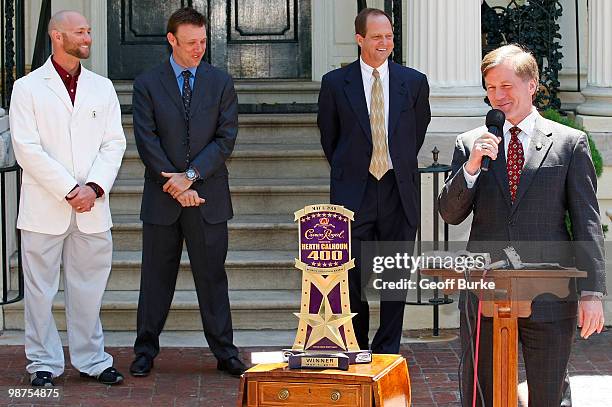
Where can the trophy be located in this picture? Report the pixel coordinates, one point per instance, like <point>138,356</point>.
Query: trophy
<point>325,337</point>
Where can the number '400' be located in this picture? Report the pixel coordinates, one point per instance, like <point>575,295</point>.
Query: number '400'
<point>325,255</point>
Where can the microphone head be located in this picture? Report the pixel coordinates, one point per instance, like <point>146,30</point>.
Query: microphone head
<point>495,118</point>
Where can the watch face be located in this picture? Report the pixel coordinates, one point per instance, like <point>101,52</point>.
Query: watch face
<point>191,174</point>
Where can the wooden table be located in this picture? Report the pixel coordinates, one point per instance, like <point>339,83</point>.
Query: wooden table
<point>384,383</point>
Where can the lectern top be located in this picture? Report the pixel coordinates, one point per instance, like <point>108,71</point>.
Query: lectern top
<point>505,273</point>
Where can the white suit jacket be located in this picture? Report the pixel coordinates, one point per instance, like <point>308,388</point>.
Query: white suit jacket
<point>59,145</point>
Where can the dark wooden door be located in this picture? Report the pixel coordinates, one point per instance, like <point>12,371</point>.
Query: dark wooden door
<point>137,34</point>
<point>250,39</point>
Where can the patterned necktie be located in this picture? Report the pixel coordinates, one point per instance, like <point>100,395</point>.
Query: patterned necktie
<point>186,104</point>
<point>514,163</point>
<point>379,165</point>
<point>186,92</point>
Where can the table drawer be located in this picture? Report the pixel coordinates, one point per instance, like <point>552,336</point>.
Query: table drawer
<point>291,394</point>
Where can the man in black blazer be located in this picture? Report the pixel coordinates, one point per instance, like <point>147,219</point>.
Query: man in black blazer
<point>540,170</point>
<point>373,115</point>
<point>185,124</point>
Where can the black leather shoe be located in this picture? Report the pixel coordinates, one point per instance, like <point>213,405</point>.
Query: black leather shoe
<point>109,376</point>
<point>41,379</point>
<point>233,366</point>
<point>141,366</point>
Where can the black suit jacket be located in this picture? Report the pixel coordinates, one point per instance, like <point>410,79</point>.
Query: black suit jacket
<point>558,178</point>
<point>160,131</point>
<point>346,136</point>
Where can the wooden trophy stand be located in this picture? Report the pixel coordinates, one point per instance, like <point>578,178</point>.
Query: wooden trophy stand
<point>510,300</point>
<point>382,383</point>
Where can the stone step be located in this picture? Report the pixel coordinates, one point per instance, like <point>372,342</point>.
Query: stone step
<point>281,339</point>
<point>252,92</point>
<point>249,196</point>
<point>246,232</point>
<point>246,270</point>
<point>254,161</point>
<point>299,128</point>
<point>251,310</point>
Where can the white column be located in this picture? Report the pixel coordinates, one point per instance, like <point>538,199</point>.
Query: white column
<point>598,93</point>
<point>444,42</point>
<point>97,10</point>
<point>320,39</point>
<point>569,42</point>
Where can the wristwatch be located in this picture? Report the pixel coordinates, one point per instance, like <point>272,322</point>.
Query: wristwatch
<point>191,174</point>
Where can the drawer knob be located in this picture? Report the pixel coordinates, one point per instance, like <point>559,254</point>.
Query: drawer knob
<point>335,395</point>
<point>283,394</point>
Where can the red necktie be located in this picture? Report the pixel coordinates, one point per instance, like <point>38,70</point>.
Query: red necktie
<point>514,162</point>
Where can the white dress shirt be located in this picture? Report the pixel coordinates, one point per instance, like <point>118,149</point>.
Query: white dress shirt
<point>368,81</point>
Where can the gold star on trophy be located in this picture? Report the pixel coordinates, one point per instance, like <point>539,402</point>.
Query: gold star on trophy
<point>325,324</point>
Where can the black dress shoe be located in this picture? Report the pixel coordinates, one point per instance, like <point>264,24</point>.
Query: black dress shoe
<point>141,366</point>
<point>233,366</point>
<point>109,376</point>
<point>41,379</point>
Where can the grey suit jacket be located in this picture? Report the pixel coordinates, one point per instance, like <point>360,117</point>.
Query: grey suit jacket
<point>558,178</point>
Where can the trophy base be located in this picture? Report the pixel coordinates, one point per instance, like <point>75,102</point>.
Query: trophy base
<point>298,359</point>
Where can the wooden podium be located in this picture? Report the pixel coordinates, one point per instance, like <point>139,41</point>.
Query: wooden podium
<point>511,299</point>
<point>383,383</point>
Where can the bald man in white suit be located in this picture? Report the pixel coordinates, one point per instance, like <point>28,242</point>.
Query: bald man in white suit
<point>67,136</point>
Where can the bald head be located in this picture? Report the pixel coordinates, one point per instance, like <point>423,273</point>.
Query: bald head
<point>70,34</point>
<point>66,19</point>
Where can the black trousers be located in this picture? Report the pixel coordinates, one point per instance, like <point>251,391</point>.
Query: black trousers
<point>161,256</point>
<point>380,217</point>
<point>546,351</point>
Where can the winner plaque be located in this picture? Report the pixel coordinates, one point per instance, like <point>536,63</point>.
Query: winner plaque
<point>325,336</point>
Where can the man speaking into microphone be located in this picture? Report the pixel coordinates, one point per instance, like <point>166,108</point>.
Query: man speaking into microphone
<point>539,170</point>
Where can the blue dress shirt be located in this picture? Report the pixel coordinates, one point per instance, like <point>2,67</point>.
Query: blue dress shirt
<point>178,70</point>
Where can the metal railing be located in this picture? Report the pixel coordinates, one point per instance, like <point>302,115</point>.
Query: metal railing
<point>534,25</point>
<point>13,46</point>
<point>435,169</point>
<point>10,294</point>
<point>12,55</point>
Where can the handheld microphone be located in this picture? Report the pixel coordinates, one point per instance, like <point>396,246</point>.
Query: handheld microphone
<point>495,125</point>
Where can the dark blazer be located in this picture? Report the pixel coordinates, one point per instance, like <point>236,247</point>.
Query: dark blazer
<point>558,178</point>
<point>160,131</point>
<point>346,136</point>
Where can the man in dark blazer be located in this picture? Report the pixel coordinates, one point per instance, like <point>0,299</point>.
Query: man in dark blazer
<point>185,124</point>
<point>540,170</point>
<point>373,115</point>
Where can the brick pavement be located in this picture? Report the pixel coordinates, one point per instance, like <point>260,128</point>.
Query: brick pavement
<point>188,377</point>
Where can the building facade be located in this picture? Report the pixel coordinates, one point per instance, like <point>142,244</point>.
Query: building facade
<point>277,51</point>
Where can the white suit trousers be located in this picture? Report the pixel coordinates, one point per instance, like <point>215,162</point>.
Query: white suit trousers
<point>86,260</point>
